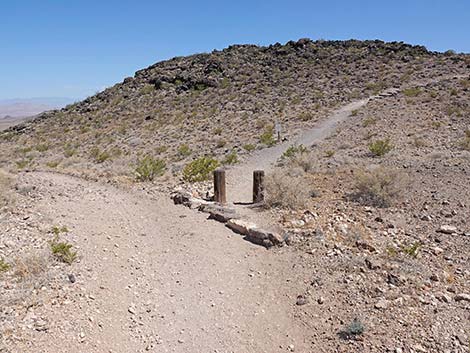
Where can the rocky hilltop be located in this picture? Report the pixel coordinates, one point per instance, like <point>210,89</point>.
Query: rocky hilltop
<point>219,104</point>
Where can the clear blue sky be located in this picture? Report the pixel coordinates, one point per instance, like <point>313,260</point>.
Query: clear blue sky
<point>74,48</point>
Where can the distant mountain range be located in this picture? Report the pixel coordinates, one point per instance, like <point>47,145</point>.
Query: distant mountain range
<point>18,108</point>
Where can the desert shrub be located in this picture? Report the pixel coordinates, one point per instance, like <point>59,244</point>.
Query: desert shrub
<point>184,150</point>
<point>355,112</point>
<point>380,147</point>
<point>267,137</point>
<point>376,87</point>
<point>355,328</point>
<point>369,121</point>
<point>30,265</point>
<point>200,169</point>
<point>249,147</point>
<point>69,151</point>
<point>62,251</point>
<point>148,168</point>
<point>306,116</point>
<point>147,89</point>
<point>329,153</point>
<point>52,164</point>
<point>56,230</point>
<point>293,151</point>
<point>23,163</point>
<point>303,161</point>
<point>6,196</point>
<point>377,187</point>
<point>411,92</point>
<point>230,158</point>
<point>161,149</point>
<point>99,156</point>
<point>4,266</point>
<point>284,190</point>
<point>42,147</point>
<point>411,249</point>
<point>465,143</point>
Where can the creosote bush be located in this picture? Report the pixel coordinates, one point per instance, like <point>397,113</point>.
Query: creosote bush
<point>4,266</point>
<point>148,168</point>
<point>267,137</point>
<point>284,190</point>
<point>378,187</point>
<point>249,147</point>
<point>380,147</point>
<point>200,169</point>
<point>62,251</point>
<point>293,151</point>
<point>230,158</point>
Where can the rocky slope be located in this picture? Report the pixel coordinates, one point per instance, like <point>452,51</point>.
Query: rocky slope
<point>215,104</point>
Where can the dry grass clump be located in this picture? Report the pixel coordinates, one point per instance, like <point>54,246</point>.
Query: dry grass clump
<point>6,196</point>
<point>286,190</point>
<point>378,187</point>
<point>31,266</point>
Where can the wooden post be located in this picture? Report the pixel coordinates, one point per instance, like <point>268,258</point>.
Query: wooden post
<point>219,186</point>
<point>258,186</point>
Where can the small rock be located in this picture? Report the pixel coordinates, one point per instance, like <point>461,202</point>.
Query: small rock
<point>72,278</point>
<point>462,297</point>
<point>447,229</point>
<point>372,264</point>
<point>381,304</point>
<point>131,310</point>
<point>321,300</point>
<point>301,300</point>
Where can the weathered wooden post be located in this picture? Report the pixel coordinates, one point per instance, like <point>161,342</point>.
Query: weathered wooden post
<point>219,186</point>
<point>258,186</point>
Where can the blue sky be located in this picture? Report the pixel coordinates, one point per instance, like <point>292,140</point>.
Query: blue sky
<point>76,48</point>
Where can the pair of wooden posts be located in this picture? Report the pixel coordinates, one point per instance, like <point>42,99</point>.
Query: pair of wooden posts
<point>220,195</point>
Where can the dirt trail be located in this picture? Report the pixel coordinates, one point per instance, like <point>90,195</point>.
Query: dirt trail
<point>239,183</point>
<point>162,278</point>
<point>240,177</point>
<point>157,277</point>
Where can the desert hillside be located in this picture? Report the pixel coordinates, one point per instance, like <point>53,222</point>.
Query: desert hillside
<point>223,104</point>
<point>364,218</point>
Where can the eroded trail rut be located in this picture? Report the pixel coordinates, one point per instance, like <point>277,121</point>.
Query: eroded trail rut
<point>161,278</point>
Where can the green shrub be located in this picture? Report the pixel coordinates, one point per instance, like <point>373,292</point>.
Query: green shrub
<point>148,168</point>
<point>354,329</point>
<point>249,147</point>
<point>53,164</point>
<point>412,249</point>
<point>42,147</point>
<point>369,121</point>
<point>62,251</point>
<point>99,156</point>
<point>4,266</point>
<point>231,158</point>
<point>56,230</point>
<point>412,92</point>
<point>267,137</point>
<point>293,151</point>
<point>184,150</point>
<point>329,153</point>
<point>380,147</point>
<point>306,116</point>
<point>200,169</point>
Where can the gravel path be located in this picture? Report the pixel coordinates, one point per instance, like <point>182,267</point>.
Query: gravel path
<point>162,278</point>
